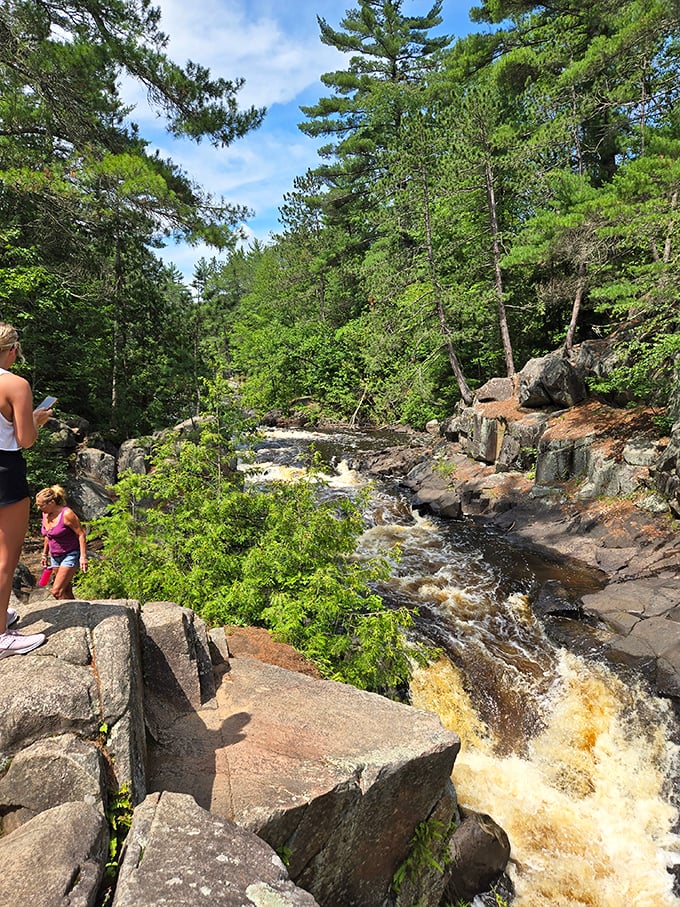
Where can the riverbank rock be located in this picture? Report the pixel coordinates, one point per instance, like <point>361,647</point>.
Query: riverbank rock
<point>329,775</point>
<point>550,381</point>
<point>179,854</point>
<point>56,858</point>
<point>479,851</point>
<point>260,759</point>
<point>643,619</point>
<point>590,494</point>
<point>667,473</point>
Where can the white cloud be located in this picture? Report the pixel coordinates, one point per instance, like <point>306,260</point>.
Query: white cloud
<point>243,40</point>
<point>278,52</point>
<point>275,46</point>
<point>254,172</point>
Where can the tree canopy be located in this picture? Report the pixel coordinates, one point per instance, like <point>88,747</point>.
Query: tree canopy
<point>83,202</point>
<point>478,202</point>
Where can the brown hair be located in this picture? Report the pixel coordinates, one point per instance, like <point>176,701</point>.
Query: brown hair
<point>52,493</point>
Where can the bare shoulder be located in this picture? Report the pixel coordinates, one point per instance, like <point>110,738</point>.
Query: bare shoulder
<point>11,383</point>
<point>15,395</point>
<point>70,516</point>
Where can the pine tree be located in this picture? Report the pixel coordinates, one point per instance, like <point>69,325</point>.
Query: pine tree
<point>80,195</point>
<point>389,51</point>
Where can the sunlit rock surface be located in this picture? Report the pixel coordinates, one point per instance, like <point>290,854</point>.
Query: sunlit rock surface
<point>335,779</point>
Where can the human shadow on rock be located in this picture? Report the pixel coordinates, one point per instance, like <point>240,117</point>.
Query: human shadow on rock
<point>187,737</point>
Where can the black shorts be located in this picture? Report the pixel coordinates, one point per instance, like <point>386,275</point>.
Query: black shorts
<point>13,484</point>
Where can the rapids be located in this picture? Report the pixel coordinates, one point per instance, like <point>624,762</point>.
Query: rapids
<point>577,765</point>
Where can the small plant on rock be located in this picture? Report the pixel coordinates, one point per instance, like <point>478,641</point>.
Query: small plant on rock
<point>119,815</point>
<point>428,850</point>
<point>445,468</point>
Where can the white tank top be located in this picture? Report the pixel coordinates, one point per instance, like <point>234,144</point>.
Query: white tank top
<point>8,439</point>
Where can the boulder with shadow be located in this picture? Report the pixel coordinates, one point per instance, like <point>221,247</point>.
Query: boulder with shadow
<point>550,381</point>
<point>479,851</point>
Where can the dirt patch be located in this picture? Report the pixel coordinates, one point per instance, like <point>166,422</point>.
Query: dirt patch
<point>611,426</point>
<point>32,552</point>
<point>509,410</point>
<point>622,519</point>
<point>257,642</point>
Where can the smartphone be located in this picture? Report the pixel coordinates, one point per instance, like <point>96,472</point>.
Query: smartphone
<point>47,403</point>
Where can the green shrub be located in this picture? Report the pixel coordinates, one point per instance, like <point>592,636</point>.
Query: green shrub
<point>278,558</point>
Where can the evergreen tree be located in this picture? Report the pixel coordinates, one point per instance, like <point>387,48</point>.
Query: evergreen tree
<point>592,77</point>
<point>388,52</point>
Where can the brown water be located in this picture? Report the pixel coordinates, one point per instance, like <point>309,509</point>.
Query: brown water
<point>575,764</point>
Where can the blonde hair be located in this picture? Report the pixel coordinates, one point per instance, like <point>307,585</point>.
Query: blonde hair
<point>9,337</point>
<point>52,493</point>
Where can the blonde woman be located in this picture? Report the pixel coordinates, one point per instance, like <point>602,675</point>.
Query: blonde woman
<point>65,542</point>
<point>19,424</point>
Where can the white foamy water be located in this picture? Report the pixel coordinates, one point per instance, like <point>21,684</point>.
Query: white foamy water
<point>585,805</point>
<point>572,762</point>
<point>342,478</point>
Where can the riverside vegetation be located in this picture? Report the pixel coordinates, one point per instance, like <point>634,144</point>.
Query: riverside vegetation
<point>479,201</point>
<point>190,532</point>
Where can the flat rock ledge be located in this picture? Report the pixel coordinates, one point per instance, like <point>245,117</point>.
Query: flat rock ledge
<point>233,766</point>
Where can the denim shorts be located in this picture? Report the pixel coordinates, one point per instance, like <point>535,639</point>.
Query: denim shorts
<point>70,559</point>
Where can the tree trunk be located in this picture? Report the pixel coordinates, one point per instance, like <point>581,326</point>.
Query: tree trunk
<point>576,307</point>
<point>495,235</point>
<point>463,387</point>
<point>668,244</point>
<point>117,338</point>
<point>580,166</point>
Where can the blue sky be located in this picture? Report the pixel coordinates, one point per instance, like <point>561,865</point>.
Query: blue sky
<point>275,47</point>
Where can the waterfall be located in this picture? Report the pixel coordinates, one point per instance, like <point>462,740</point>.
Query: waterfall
<point>585,801</point>
<point>576,764</point>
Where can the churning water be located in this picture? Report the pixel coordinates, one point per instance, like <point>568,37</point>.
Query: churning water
<point>577,766</point>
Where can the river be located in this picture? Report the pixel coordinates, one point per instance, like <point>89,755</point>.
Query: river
<point>577,765</point>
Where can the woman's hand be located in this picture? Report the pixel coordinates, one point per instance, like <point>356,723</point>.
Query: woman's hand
<point>40,416</point>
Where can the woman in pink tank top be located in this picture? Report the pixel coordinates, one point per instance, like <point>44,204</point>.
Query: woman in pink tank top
<point>65,541</point>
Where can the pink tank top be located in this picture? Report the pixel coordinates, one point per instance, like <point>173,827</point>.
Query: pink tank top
<point>61,538</point>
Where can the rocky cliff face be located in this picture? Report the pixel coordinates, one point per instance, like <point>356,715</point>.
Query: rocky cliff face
<point>231,764</point>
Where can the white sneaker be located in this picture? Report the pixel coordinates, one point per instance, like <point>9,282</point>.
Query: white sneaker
<point>14,644</point>
<point>12,617</point>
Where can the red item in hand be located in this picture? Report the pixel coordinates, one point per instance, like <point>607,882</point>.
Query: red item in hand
<point>45,577</point>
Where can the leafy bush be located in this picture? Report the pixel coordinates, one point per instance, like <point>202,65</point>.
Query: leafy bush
<point>189,532</point>
<point>646,376</point>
